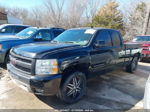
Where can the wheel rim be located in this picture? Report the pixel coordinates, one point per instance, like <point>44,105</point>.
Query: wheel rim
<point>74,87</point>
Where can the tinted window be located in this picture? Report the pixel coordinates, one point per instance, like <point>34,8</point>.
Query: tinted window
<point>44,35</point>
<point>104,36</point>
<point>19,28</point>
<point>26,33</point>
<point>115,38</point>
<point>8,29</point>
<point>57,32</point>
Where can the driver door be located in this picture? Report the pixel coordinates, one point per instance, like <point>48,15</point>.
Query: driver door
<point>102,57</point>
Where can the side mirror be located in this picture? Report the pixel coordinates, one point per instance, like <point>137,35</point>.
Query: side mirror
<point>99,44</point>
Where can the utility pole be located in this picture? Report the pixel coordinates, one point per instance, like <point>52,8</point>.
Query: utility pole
<point>146,21</point>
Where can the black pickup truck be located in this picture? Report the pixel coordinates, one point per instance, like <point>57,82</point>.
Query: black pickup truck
<point>63,65</point>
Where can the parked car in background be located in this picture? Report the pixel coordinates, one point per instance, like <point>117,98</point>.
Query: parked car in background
<point>145,43</point>
<point>11,29</point>
<point>28,35</point>
<point>63,66</point>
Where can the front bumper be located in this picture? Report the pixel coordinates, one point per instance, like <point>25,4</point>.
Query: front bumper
<point>2,56</point>
<point>41,85</point>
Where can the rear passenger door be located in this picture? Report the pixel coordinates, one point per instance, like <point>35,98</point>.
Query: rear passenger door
<point>102,57</point>
<point>117,47</point>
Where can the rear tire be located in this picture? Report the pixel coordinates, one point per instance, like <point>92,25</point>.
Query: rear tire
<point>73,88</point>
<point>133,65</point>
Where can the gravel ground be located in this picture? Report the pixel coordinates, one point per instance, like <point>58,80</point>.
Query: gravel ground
<point>4,74</point>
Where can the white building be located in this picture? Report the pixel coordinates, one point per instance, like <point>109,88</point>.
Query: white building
<point>7,19</point>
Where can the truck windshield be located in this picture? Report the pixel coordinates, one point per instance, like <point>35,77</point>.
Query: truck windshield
<point>141,38</point>
<point>78,36</point>
<point>26,33</point>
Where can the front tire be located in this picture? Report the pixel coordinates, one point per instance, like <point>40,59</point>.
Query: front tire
<point>133,65</point>
<point>7,60</point>
<point>73,88</point>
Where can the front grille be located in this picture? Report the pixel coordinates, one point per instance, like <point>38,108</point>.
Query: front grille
<point>21,63</point>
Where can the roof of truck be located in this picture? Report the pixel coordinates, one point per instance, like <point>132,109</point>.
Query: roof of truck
<point>95,28</point>
<point>48,28</point>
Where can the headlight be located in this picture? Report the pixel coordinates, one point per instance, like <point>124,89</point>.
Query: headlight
<point>46,67</point>
<point>1,46</point>
<point>149,48</point>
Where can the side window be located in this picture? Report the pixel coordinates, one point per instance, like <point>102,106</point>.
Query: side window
<point>104,36</point>
<point>8,29</point>
<point>116,38</point>
<point>19,28</point>
<point>57,32</point>
<point>44,35</point>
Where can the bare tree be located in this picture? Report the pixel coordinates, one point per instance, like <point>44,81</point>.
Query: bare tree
<point>18,12</point>
<point>92,7</point>
<point>55,11</point>
<point>76,9</point>
<point>146,21</point>
<point>37,15</point>
<point>135,23</point>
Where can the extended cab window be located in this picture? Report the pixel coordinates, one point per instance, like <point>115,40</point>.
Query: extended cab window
<point>116,38</point>
<point>44,35</point>
<point>104,35</point>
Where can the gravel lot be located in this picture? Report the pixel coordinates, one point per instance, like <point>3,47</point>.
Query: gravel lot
<point>115,90</point>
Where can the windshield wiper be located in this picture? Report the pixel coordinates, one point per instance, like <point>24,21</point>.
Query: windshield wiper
<point>54,41</point>
<point>22,37</point>
<point>71,42</point>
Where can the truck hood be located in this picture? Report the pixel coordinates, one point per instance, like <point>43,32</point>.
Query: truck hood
<point>32,50</point>
<point>8,38</point>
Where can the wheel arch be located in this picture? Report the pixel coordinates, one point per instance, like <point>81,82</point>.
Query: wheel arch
<point>74,68</point>
<point>138,55</point>
<point>7,53</point>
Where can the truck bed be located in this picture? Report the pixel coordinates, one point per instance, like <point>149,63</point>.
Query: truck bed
<point>132,46</point>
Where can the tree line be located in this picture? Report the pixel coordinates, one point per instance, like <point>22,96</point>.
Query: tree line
<point>129,19</point>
